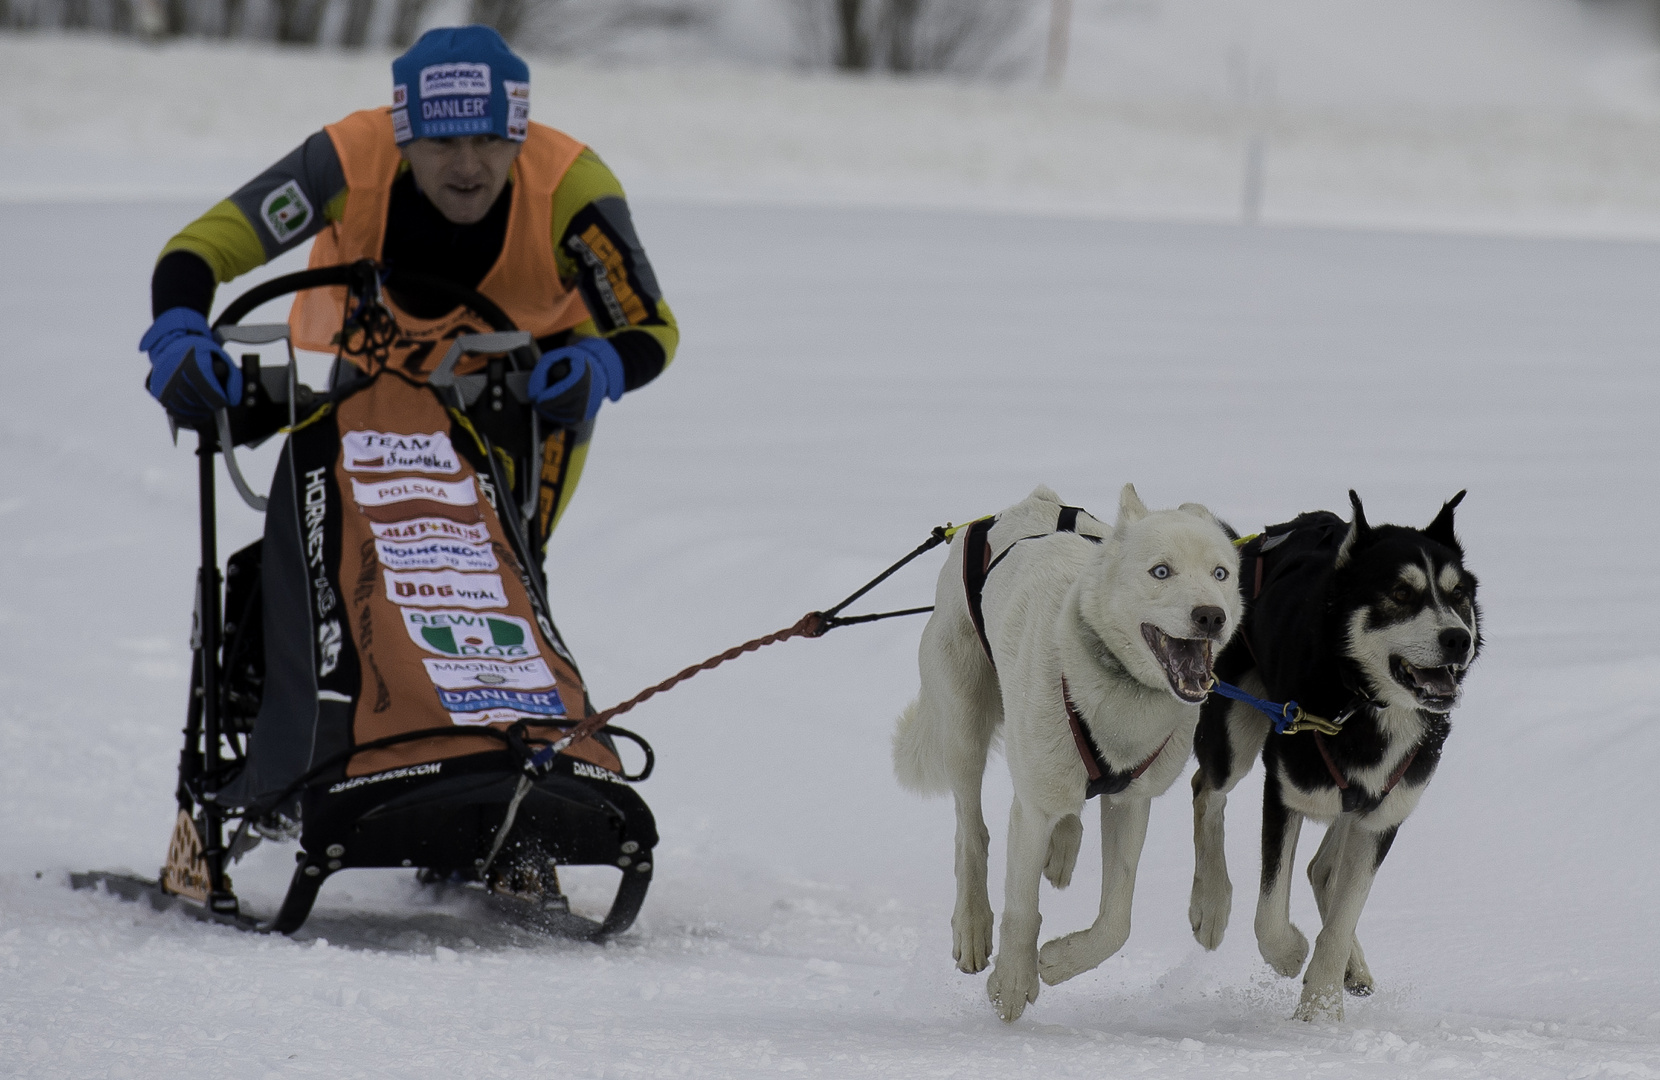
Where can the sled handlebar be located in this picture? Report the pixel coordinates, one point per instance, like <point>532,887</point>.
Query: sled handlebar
<point>271,394</point>
<point>360,274</point>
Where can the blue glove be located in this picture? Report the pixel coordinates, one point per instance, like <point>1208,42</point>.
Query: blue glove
<point>183,359</point>
<point>592,372</point>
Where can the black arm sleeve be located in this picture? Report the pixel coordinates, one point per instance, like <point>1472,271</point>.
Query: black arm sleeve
<point>642,357</point>
<point>181,279</point>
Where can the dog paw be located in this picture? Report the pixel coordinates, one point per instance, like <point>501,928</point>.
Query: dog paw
<point>971,940</point>
<point>1320,1004</point>
<point>1063,851</point>
<point>1011,988</point>
<point>1285,951</point>
<point>1358,980</point>
<point>1208,911</point>
<point>1067,957</point>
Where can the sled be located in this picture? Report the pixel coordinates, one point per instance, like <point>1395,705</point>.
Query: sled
<point>298,728</point>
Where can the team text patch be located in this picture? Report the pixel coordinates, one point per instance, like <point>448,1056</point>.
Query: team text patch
<point>385,452</point>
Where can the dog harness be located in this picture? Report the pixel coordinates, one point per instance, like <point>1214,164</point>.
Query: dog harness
<point>978,563</point>
<point>1291,715</point>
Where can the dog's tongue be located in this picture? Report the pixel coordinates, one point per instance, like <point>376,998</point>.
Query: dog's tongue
<point>1190,666</point>
<point>1437,681</point>
<point>1186,661</point>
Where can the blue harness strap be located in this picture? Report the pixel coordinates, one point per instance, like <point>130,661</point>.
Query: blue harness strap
<point>1283,716</point>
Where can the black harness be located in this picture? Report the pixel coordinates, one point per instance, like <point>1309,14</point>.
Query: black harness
<point>978,563</point>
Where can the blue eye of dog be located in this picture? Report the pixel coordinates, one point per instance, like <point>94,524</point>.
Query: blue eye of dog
<point>1160,571</point>
<point>1220,573</point>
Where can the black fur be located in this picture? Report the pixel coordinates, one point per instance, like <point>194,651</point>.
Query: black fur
<point>1317,571</point>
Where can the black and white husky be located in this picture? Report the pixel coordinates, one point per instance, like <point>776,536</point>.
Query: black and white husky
<point>1372,628</point>
<point>1089,649</point>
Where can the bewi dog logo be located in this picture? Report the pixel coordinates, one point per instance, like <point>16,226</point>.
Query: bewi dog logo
<point>286,212</point>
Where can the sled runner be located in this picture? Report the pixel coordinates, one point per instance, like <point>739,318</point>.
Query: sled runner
<point>376,676</point>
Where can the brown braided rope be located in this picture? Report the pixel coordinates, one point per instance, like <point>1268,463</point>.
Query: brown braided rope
<point>812,624</point>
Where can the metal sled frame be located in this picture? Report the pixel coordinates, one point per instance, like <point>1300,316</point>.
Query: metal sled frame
<point>442,823</point>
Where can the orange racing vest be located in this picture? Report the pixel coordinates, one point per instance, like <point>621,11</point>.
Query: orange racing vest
<point>524,282</point>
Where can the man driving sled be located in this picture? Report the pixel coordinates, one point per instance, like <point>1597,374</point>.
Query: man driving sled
<point>452,182</point>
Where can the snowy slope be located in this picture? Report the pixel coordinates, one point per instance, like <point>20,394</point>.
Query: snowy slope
<point>849,379</point>
<point>1492,121</point>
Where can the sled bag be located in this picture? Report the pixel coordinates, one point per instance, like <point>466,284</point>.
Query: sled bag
<point>396,600</point>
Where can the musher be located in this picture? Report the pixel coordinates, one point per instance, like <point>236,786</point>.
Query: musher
<point>453,181</point>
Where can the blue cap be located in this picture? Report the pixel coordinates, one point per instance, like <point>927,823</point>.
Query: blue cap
<point>460,80</point>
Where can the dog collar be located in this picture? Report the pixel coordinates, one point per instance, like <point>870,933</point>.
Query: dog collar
<point>1103,780</point>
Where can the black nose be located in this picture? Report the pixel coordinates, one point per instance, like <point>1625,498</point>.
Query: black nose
<point>1209,620</point>
<point>1455,642</point>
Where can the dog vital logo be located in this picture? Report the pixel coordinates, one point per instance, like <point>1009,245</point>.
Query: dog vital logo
<point>385,452</point>
<point>286,212</point>
<point>469,634</point>
<point>487,705</point>
<point>387,492</point>
<point>445,588</point>
<point>493,674</point>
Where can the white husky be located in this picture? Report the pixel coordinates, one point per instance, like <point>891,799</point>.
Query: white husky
<point>1102,642</point>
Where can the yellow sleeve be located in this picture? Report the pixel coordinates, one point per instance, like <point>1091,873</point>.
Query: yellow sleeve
<point>596,248</point>
<point>223,239</point>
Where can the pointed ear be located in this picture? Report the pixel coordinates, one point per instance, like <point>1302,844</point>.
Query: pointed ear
<point>1441,529</point>
<point>1358,529</point>
<point>1130,507</point>
<point>1202,512</point>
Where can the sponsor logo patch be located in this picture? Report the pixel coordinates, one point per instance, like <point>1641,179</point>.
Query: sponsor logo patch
<point>286,212</point>
<point>401,131</point>
<point>594,772</point>
<point>445,588</point>
<point>455,108</point>
<point>498,674</point>
<point>486,705</point>
<point>518,108</point>
<point>329,638</point>
<point>431,528</point>
<point>435,555</point>
<point>316,512</point>
<point>470,633</point>
<point>431,768</point>
<point>439,79</point>
<point>387,492</point>
<point>400,95</point>
<point>381,451</point>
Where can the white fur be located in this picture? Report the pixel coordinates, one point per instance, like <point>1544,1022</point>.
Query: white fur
<point>1055,605</point>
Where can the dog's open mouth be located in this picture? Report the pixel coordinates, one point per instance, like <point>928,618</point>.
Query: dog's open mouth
<point>1436,688</point>
<point>1186,662</point>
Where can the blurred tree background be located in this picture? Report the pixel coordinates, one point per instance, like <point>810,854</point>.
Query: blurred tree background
<point>965,36</point>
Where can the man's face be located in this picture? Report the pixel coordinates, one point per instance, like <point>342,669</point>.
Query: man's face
<point>463,176</point>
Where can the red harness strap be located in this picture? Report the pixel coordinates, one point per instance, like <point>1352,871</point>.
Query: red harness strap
<point>1342,781</point>
<point>1102,780</point>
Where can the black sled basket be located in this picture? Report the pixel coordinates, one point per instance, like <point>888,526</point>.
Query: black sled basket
<point>445,819</point>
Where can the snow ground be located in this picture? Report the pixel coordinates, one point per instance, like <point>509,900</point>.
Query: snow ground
<point>850,378</point>
<point>1502,116</point>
